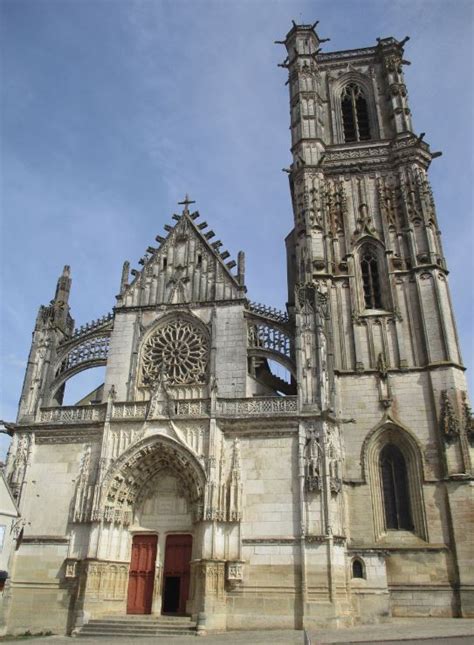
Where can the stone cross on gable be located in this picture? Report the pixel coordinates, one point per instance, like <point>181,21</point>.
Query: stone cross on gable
<point>186,201</point>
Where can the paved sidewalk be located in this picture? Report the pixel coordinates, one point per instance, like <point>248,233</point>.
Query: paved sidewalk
<point>399,629</point>
<point>419,631</point>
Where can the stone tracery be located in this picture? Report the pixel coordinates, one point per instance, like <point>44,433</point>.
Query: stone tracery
<point>177,350</point>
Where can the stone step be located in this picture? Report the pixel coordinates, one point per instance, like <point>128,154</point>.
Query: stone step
<point>137,632</point>
<point>142,628</point>
<point>145,619</point>
<point>107,634</point>
<point>138,626</point>
<point>146,623</point>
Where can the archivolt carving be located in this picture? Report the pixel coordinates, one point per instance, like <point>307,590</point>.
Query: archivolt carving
<point>125,482</point>
<point>177,350</point>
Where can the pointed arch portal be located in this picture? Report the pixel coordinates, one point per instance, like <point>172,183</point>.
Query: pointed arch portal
<point>127,481</point>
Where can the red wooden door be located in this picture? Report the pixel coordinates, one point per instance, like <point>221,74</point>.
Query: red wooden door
<point>142,574</point>
<point>176,573</point>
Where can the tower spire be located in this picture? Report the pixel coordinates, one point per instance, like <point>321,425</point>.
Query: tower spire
<point>63,286</point>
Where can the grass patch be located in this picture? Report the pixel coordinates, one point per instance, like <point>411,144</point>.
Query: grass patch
<point>25,636</point>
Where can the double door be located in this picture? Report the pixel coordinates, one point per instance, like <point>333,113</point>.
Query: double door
<point>176,574</point>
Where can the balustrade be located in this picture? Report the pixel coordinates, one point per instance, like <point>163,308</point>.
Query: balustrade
<point>72,414</point>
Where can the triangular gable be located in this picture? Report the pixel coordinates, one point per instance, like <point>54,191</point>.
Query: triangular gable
<point>187,267</point>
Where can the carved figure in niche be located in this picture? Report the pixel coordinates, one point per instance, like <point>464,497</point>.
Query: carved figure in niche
<point>315,212</point>
<point>160,397</point>
<point>83,497</point>
<point>468,418</point>
<point>213,385</point>
<point>334,456</point>
<point>18,469</point>
<point>312,460</point>
<point>382,366</point>
<point>449,421</point>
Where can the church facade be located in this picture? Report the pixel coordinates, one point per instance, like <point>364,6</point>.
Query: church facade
<point>197,480</point>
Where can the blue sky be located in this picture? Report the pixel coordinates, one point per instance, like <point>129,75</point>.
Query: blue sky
<point>113,109</point>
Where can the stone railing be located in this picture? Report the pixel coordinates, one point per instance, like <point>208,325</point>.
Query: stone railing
<point>260,406</point>
<point>73,414</point>
<point>136,409</point>
<point>196,408</point>
<point>92,326</point>
<point>257,406</point>
<point>268,312</point>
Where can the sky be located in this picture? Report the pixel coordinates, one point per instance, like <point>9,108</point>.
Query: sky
<point>112,110</point>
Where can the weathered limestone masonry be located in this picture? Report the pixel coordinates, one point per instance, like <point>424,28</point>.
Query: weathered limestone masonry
<point>196,480</point>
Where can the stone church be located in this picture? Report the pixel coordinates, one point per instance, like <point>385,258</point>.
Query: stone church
<point>200,481</point>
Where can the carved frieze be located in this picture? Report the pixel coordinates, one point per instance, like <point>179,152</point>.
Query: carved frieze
<point>105,580</point>
<point>234,573</point>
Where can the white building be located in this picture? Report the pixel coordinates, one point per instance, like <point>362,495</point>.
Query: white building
<point>9,525</point>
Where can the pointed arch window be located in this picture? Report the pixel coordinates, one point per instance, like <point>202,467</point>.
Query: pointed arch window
<point>369,264</point>
<point>395,491</point>
<point>355,114</point>
<point>357,568</point>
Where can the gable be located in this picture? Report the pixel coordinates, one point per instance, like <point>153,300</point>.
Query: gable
<point>186,268</point>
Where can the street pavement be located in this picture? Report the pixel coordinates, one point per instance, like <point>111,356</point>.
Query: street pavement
<point>412,631</point>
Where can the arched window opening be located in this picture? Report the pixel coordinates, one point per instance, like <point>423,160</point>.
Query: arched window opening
<point>355,114</point>
<point>357,569</point>
<point>394,480</point>
<point>371,278</point>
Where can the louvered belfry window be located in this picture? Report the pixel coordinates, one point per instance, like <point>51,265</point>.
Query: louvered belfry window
<point>371,278</point>
<point>394,480</point>
<point>355,114</point>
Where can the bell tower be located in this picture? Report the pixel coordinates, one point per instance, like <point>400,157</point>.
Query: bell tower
<point>376,341</point>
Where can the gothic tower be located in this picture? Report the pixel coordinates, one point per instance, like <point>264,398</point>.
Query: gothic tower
<point>378,361</point>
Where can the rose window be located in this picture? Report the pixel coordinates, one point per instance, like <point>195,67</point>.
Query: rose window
<point>179,351</point>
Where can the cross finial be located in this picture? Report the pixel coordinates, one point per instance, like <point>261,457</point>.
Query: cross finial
<point>186,201</point>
